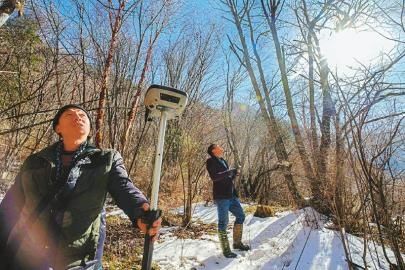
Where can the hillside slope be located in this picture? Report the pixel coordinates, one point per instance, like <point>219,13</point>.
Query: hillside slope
<point>291,240</point>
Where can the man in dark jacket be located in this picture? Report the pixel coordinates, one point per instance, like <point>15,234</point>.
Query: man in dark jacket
<point>226,199</point>
<point>53,215</point>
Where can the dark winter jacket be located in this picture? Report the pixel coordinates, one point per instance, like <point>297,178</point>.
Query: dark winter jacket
<point>80,237</point>
<point>222,177</point>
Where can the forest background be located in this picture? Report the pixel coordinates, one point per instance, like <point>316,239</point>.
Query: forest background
<point>306,96</point>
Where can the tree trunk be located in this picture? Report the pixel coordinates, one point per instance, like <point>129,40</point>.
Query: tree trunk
<point>135,102</point>
<point>328,110</point>
<point>311,86</point>
<point>106,73</point>
<point>272,127</point>
<point>339,178</point>
<point>308,169</point>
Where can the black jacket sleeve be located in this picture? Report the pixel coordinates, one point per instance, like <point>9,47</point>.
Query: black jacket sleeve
<point>217,172</point>
<point>127,197</point>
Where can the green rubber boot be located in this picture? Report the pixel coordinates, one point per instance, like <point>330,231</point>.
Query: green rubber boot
<point>237,238</point>
<point>226,250</point>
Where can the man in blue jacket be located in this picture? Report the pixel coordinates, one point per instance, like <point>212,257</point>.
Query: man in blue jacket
<point>226,199</point>
<point>53,215</point>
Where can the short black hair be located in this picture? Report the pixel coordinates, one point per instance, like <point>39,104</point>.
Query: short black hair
<point>210,148</point>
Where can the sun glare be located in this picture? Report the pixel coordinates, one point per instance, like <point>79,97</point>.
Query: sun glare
<point>350,48</point>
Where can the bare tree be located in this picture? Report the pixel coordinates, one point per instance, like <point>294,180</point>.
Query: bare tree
<point>116,16</point>
<point>189,66</point>
<point>261,90</point>
<point>271,10</point>
<point>156,25</point>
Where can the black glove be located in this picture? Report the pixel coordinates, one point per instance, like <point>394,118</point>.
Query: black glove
<point>151,216</point>
<point>232,173</point>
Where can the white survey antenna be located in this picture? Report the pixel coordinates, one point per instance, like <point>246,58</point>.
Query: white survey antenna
<point>160,98</point>
<point>165,103</point>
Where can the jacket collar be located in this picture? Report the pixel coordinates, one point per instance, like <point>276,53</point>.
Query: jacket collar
<point>48,153</point>
<point>221,161</point>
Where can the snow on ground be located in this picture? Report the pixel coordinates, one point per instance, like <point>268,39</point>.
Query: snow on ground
<point>291,240</point>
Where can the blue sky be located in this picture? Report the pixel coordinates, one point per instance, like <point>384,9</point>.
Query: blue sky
<point>203,14</point>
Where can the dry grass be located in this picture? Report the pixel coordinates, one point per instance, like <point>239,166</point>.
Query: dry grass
<point>195,231</point>
<point>124,245</point>
<point>274,208</point>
